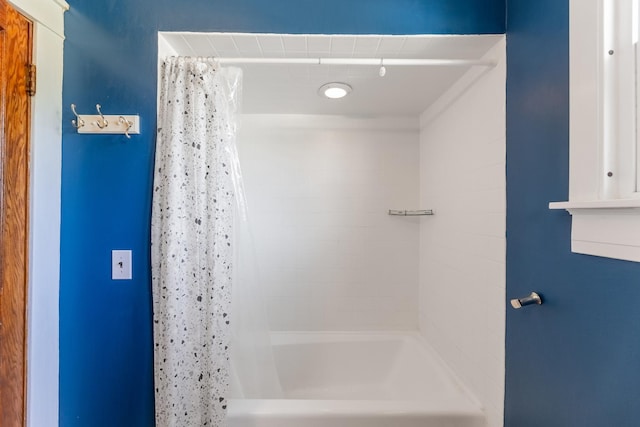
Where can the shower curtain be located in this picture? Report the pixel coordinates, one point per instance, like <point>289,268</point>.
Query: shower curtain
<point>192,241</point>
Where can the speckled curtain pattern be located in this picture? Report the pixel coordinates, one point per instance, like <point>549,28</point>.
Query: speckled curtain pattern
<point>191,241</point>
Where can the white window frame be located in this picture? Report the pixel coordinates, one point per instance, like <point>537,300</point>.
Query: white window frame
<point>604,151</point>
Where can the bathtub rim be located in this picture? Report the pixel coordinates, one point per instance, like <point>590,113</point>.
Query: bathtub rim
<point>343,408</point>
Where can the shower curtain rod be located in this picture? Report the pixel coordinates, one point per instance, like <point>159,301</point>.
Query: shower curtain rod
<point>361,61</point>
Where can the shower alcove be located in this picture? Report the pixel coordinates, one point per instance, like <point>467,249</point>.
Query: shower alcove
<point>374,319</point>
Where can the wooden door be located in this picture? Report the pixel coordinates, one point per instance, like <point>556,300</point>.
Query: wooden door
<point>15,66</point>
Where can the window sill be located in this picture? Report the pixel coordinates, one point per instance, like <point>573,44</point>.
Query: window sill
<point>597,204</point>
<point>607,228</point>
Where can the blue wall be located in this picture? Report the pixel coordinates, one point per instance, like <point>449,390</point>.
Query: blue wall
<point>574,361</point>
<point>106,369</point>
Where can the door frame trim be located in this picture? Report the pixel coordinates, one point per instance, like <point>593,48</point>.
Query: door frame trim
<point>44,225</point>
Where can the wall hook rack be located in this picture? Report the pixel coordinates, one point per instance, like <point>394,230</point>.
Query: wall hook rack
<point>126,125</point>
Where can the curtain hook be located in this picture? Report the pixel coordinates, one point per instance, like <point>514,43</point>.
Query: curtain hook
<point>77,122</point>
<point>102,123</point>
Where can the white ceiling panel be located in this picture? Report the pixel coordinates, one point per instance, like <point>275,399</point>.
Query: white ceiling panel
<point>294,43</point>
<point>416,45</point>
<point>390,45</point>
<point>247,44</point>
<point>270,43</point>
<point>178,43</point>
<point>293,89</point>
<point>342,46</point>
<point>319,44</point>
<point>366,46</point>
<point>224,45</point>
<point>200,46</point>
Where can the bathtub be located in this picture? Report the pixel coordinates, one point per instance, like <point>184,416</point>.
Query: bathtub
<point>358,380</point>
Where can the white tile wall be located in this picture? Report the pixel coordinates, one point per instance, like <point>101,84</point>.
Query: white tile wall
<point>329,255</point>
<point>462,247</point>
<point>331,258</point>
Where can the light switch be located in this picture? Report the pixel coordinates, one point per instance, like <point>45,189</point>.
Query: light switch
<point>121,265</point>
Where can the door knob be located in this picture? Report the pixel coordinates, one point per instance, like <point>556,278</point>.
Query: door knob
<point>532,298</point>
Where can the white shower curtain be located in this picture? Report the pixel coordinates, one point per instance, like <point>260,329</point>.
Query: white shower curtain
<point>192,241</point>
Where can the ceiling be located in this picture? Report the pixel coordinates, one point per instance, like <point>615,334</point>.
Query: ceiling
<point>293,89</point>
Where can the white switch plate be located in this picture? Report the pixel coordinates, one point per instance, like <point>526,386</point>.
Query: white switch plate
<point>121,265</point>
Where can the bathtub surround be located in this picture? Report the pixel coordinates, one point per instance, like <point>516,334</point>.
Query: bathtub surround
<point>462,247</point>
<point>318,190</point>
<point>191,241</point>
<point>106,350</point>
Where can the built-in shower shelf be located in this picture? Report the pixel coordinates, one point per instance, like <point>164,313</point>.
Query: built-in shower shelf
<point>420,212</point>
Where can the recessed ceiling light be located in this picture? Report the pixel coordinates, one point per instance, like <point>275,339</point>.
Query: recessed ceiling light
<point>334,90</point>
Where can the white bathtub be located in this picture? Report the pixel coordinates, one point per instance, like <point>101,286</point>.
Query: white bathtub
<point>358,380</point>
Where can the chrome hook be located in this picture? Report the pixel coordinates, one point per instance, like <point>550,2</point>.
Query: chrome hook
<point>77,122</point>
<point>102,123</point>
<point>128,124</point>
